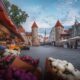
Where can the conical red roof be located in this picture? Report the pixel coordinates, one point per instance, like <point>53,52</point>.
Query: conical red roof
<point>58,24</point>
<point>34,25</point>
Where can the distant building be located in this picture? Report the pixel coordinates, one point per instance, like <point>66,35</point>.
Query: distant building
<point>61,37</point>
<point>76,29</point>
<point>70,32</point>
<point>55,34</point>
<point>46,39</point>
<point>41,38</point>
<point>65,35</point>
<point>52,35</point>
<point>21,29</point>
<point>58,30</point>
<point>32,37</point>
<point>58,33</point>
<point>29,38</point>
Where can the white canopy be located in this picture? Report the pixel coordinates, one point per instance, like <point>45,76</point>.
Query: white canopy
<point>74,38</point>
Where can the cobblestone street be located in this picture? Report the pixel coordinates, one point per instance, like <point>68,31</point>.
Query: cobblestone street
<point>42,52</point>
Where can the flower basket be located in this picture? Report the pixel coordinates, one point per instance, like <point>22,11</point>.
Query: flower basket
<point>57,69</point>
<point>17,69</point>
<point>19,64</point>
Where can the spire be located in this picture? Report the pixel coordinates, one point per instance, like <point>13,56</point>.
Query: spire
<point>45,32</point>
<point>58,24</point>
<point>34,25</point>
<point>76,21</point>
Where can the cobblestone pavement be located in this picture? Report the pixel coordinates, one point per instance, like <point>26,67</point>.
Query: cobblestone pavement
<point>42,52</point>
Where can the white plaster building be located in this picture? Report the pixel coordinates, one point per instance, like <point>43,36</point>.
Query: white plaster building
<point>55,34</point>
<point>52,35</point>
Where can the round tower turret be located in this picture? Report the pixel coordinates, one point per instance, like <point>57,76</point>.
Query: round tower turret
<point>35,40</point>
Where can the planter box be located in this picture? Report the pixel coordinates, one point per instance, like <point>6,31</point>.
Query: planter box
<point>18,63</point>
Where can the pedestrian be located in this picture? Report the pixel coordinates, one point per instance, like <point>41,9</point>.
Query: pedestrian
<point>67,45</point>
<point>76,44</point>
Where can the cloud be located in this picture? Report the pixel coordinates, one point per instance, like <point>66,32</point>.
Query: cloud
<point>68,11</point>
<point>71,16</point>
<point>47,17</point>
<point>38,15</point>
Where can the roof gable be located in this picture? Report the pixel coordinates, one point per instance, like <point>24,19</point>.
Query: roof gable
<point>20,28</point>
<point>58,24</point>
<point>34,25</point>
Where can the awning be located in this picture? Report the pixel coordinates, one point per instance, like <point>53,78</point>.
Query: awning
<point>75,38</point>
<point>5,19</point>
<point>8,23</point>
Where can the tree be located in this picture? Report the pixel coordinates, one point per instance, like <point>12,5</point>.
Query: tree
<point>7,4</point>
<point>16,14</point>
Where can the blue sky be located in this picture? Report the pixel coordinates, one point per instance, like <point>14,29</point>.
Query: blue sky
<point>47,12</point>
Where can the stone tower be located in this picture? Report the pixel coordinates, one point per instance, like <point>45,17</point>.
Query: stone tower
<point>58,30</point>
<point>35,40</point>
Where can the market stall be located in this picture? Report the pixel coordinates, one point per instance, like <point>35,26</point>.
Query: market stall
<point>56,69</point>
<point>18,68</point>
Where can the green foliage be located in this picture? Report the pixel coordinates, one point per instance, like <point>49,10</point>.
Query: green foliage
<point>7,4</point>
<point>16,14</point>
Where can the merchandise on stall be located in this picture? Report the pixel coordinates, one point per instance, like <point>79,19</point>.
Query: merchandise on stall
<point>57,69</point>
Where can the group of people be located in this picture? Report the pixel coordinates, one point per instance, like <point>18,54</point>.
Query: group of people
<point>73,44</point>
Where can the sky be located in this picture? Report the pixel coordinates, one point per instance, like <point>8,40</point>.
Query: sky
<point>46,12</point>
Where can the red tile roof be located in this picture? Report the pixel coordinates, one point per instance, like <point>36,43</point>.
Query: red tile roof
<point>58,24</point>
<point>28,33</point>
<point>34,25</point>
<point>65,33</point>
<point>21,29</point>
